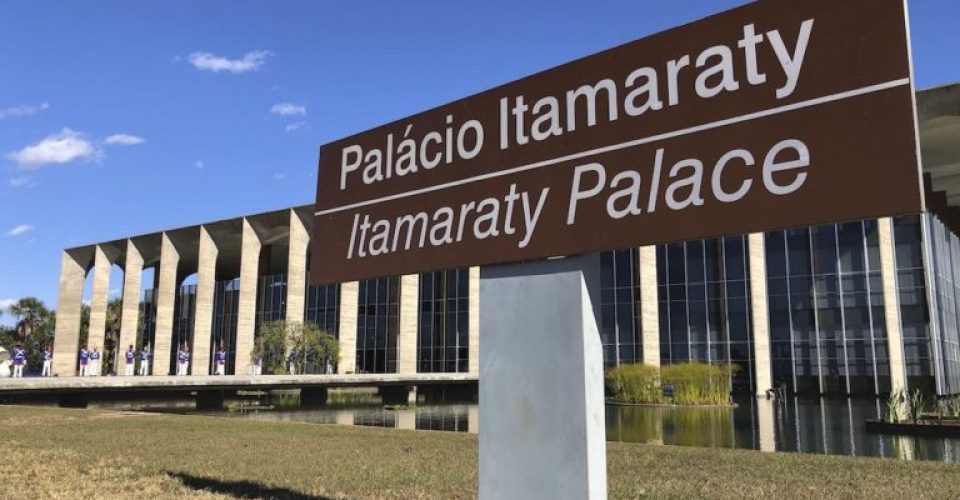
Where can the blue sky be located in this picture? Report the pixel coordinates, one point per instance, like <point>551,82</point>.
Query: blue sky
<point>119,118</point>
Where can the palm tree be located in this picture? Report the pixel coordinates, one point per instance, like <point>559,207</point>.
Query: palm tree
<point>30,312</point>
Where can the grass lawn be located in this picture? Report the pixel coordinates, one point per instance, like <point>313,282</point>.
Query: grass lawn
<point>60,453</point>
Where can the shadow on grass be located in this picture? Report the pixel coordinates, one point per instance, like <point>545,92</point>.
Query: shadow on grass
<point>239,489</point>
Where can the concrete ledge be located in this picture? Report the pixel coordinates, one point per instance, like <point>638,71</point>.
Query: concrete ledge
<point>53,385</point>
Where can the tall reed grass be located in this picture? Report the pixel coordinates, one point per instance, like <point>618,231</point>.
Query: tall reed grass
<point>693,383</point>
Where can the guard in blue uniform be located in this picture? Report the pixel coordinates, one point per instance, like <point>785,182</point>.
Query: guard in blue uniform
<point>144,361</point>
<point>183,361</point>
<point>128,358</point>
<point>293,362</point>
<point>220,359</point>
<point>19,360</point>
<point>47,362</point>
<point>94,368</point>
<point>84,361</point>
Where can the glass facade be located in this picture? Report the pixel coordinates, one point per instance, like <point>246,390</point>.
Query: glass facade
<point>184,312</point>
<point>226,302</point>
<point>620,327</point>
<point>442,335</point>
<point>915,312</point>
<point>271,299</point>
<point>945,251</point>
<point>703,300</point>
<point>322,308</point>
<point>828,330</point>
<point>825,298</point>
<point>378,325</point>
<point>703,296</point>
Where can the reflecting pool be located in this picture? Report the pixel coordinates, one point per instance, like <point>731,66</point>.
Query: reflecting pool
<point>821,426</point>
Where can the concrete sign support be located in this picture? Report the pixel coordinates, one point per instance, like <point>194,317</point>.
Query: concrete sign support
<point>542,422</point>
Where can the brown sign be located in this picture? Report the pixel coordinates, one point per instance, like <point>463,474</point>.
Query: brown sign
<point>772,115</point>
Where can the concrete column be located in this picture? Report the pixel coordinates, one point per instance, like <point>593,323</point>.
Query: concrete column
<point>765,425</point>
<point>759,313</point>
<point>166,298</point>
<point>649,307</point>
<point>247,308</point>
<point>203,317</point>
<point>542,426</point>
<point>473,419</point>
<point>67,336</point>
<point>409,298</point>
<point>473,336</point>
<point>130,310</point>
<point>407,420</point>
<point>297,268</point>
<point>891,305</point>
<point>349,301</point>
<point>344,417</point>
<point>98,300</point>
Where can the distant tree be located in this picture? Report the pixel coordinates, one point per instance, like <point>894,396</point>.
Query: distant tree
<point>271,346</point>
<point>84,325</point>
<point>317,351</point>
<point>30,312</point>
<point>34,328</point>
<point>112,334</point>
<point>40,340</point>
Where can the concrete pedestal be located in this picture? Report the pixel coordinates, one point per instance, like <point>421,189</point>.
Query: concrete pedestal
<point>542,429</point>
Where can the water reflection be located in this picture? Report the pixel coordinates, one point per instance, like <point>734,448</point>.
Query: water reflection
<point>447,417</point>
<point>820,426</point>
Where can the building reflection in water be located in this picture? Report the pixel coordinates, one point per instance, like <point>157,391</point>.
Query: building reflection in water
<point>819,426</point>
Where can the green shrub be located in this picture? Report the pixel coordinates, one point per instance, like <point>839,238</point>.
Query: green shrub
<point>954,407</point>
<point>699,383</point>
<point>895,407</point>
<point>634,383</point>
<point>915,403</point>
<point>693,383</point>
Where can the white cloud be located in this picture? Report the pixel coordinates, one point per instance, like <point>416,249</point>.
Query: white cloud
<point>6,303</point>
<point>19,181</point>
<point>124,140</point>
<point>23,110</point>
<point>288,109</point>
<point>295,126</point>
<point>66,147</point>
<point>198,164</point>
<point>279,176</point>
<point>19,230</point>
<point>251,61</point>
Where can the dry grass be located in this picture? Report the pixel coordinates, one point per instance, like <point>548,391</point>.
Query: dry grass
<point>55,453</point>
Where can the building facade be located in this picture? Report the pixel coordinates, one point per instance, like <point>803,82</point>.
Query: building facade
<point>854,308</point>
